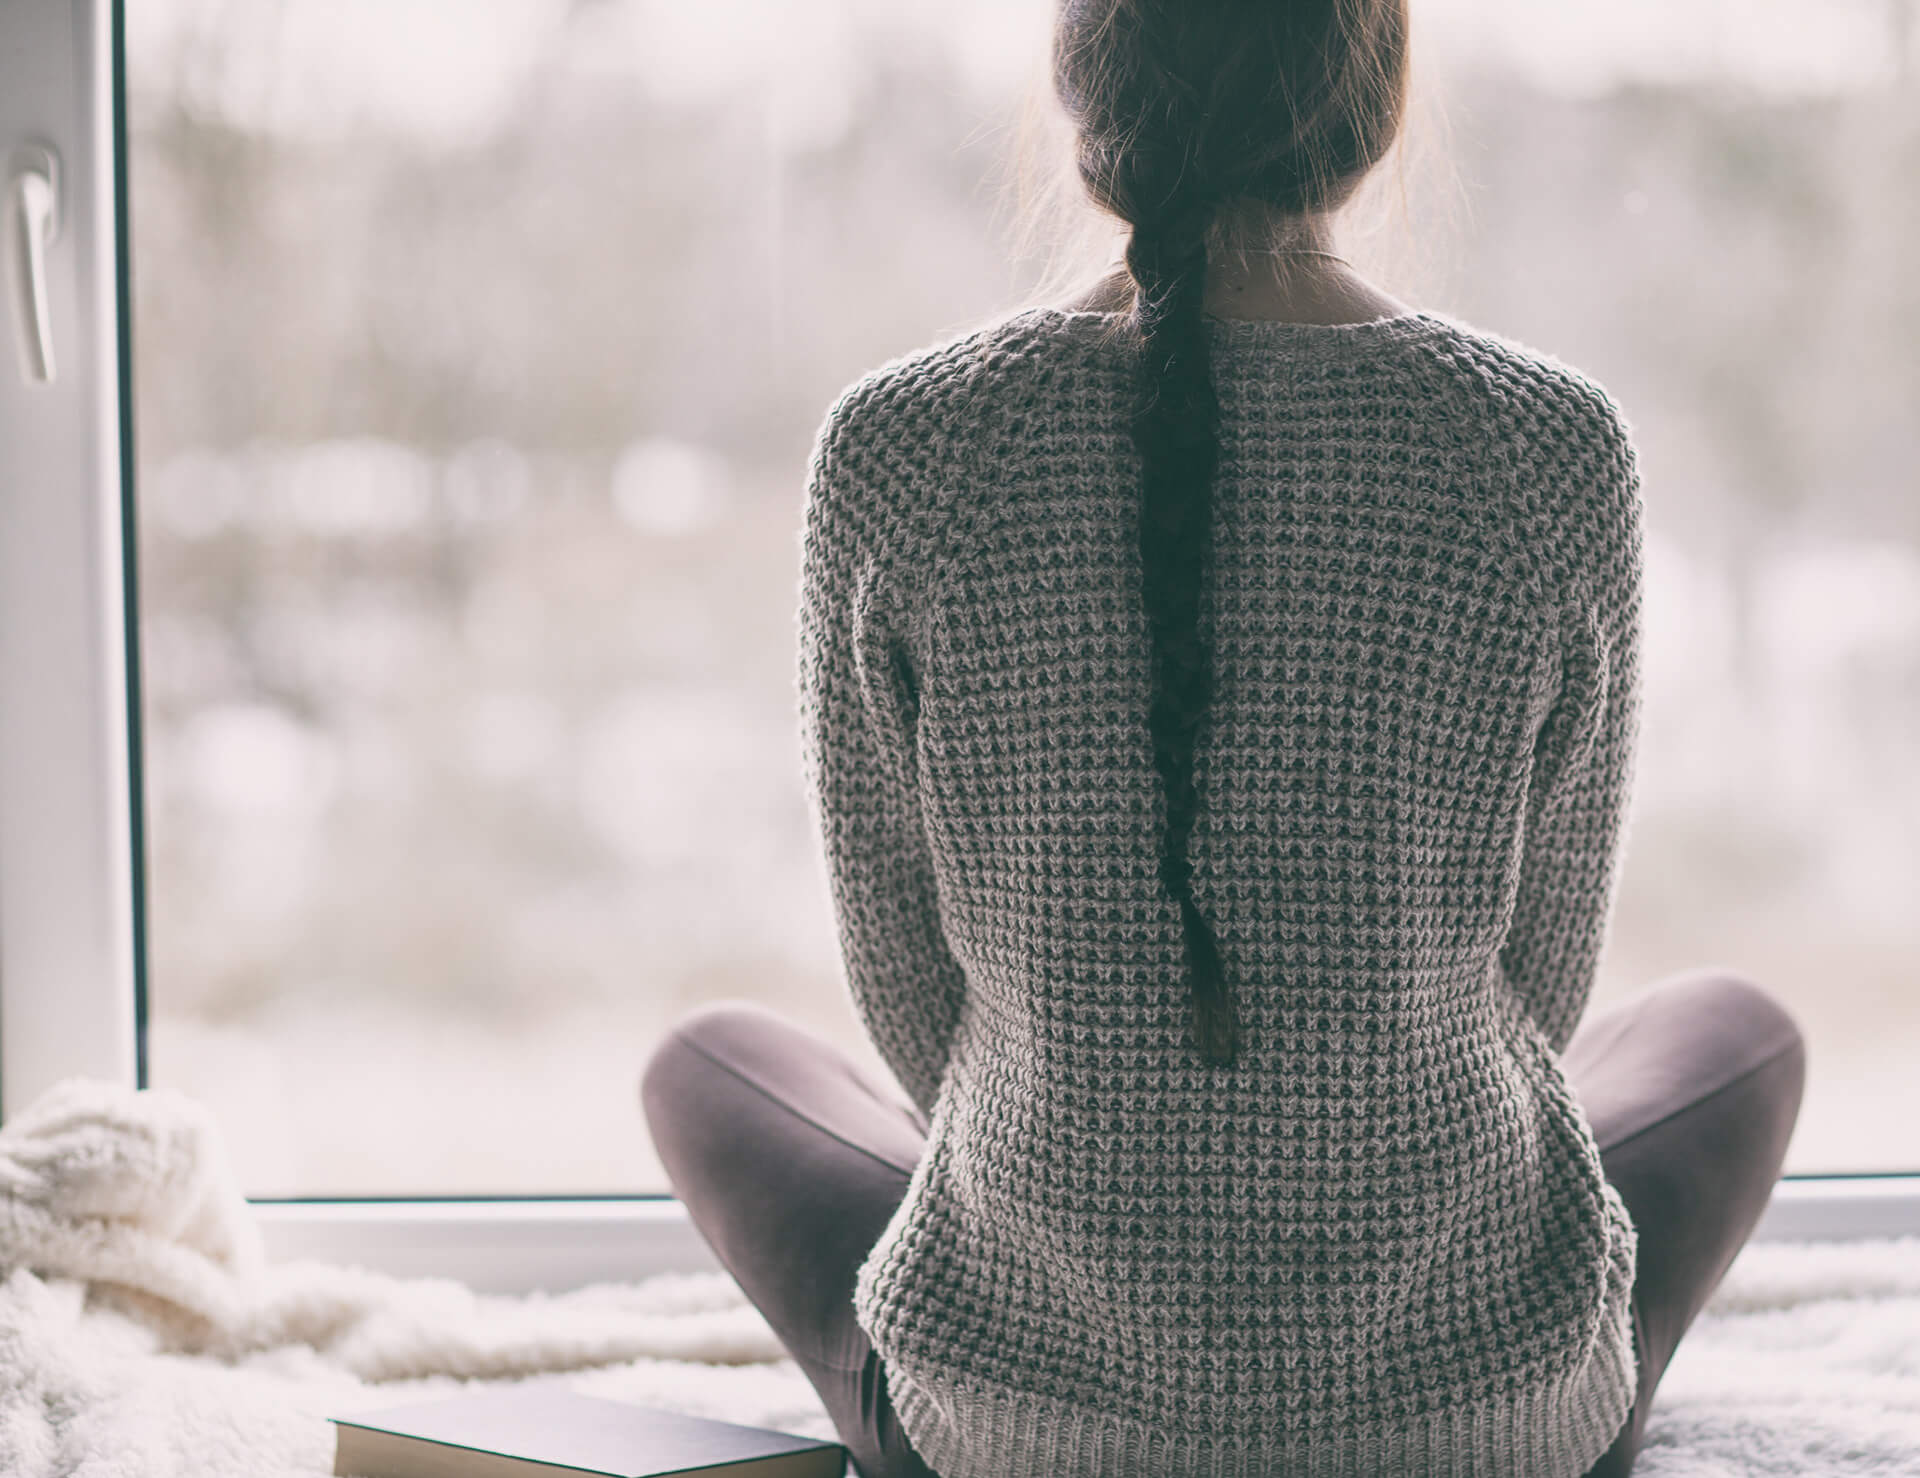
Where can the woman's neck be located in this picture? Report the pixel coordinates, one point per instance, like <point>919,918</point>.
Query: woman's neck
<point>1281,282</point>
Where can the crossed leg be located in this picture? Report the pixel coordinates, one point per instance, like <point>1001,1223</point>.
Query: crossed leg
<point>791,1159</point>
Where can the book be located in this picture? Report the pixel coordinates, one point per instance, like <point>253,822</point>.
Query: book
<point>541,1430</point>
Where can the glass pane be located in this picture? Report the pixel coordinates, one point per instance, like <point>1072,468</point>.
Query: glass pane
<point>479,352</point>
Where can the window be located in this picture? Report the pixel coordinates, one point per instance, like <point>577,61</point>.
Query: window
<point>478,350</point>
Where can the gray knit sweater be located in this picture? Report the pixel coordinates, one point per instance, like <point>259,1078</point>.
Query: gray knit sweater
<point>1381,1242</point>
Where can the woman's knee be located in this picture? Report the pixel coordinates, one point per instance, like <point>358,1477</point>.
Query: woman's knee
<point>1709,1033</point>
<point>1739,1005</point>
<point>1738,1010</point>
<point>683,1057</point>
<point>704,1031</point>
<point>1719,1076</point>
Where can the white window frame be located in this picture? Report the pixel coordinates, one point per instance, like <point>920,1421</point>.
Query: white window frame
<point>68,953</point>
<point>71,851</point>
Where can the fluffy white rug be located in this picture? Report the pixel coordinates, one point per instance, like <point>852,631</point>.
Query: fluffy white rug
<point>143,1333</point>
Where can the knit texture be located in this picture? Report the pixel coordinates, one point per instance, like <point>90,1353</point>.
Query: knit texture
<point>1381,1241</point>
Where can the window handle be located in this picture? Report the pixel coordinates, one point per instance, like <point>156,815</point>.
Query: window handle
<point>31,225</point>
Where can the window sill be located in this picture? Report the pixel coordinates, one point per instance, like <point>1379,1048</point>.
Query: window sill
<point>517,1246</point>
<point>504,1246</point>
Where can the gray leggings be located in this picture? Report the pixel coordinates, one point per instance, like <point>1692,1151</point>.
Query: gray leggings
<point>790,1159</point>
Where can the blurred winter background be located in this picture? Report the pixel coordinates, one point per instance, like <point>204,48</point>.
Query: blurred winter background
<point>480,347</point>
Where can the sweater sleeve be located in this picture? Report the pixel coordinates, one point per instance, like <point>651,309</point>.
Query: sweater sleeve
<point>1578,801</point>
<point>858,702</point>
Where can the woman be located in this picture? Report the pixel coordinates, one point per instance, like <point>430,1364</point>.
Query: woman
<point>1219,700</point>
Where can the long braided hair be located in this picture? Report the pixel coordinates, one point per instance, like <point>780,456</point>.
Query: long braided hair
<point>1186,113</point>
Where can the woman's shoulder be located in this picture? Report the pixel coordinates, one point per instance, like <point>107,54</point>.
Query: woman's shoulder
<point>1559,445</point>
<point>926,388</point>
<point>1527,399</point>
<point>897,441</point>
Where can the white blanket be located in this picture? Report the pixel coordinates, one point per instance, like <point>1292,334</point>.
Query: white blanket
<point>143,1332</point>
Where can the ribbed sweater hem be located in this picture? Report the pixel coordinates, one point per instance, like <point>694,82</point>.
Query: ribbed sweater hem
<point>1554,1432</point>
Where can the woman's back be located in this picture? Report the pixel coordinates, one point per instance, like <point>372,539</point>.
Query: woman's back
<point>1379,1239</point>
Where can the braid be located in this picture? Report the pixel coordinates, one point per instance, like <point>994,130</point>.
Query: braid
<point>1185,110</point>
<point>1175,427</point>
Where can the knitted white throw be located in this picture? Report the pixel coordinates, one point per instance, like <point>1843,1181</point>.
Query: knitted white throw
<point>143,1332</point>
